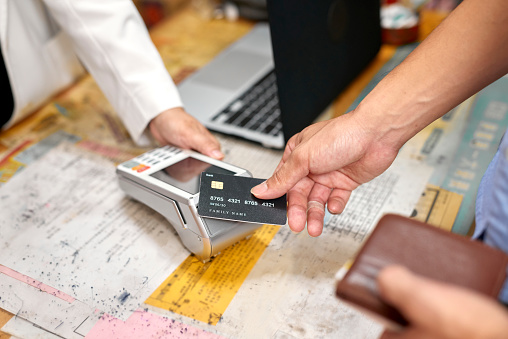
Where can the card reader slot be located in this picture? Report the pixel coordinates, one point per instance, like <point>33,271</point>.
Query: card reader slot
<point>180,212</point>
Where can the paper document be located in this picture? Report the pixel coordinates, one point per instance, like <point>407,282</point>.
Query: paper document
<point>66,223</point>
<point>293,280</point>
<point>394,191</point>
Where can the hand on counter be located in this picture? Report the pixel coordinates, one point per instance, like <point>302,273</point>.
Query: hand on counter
<point>177,127</point>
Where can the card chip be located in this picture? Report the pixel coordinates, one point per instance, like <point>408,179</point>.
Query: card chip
<point>218,185</point>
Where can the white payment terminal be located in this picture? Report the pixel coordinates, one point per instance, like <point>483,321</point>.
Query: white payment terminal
<point>167,180</point>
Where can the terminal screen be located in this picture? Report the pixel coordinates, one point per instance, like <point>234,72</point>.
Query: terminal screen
<point>185,174</point>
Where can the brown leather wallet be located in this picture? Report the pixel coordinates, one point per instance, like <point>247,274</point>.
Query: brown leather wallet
<point>425,250</point>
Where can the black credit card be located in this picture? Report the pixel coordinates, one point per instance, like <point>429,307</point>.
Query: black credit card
<point>228,197</point>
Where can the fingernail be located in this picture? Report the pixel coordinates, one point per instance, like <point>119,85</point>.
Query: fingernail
<point>295,232</point>
<point>217,154</point>
<point>259,189</point>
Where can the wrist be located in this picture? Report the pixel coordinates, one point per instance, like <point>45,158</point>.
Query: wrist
<point>394,115</point>
<point>381,127</point>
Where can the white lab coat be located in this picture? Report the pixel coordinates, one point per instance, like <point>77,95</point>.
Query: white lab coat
<point>40,41</point>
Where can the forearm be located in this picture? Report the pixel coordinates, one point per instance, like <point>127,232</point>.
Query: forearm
<point>111,40</point>
<point>464,54</point>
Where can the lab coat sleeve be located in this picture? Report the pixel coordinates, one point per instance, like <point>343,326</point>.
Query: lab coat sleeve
<point>112,41</point>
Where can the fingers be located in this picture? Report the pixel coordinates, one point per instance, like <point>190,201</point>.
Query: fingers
<point>294,164</point>
<point>291,144</point>
<point>316,209</point>
<point>306,205</point>
<point>412,297</point>
<point>204,142</point>
<point>297,204</point>
<point>191,134</point>
<point>338,200</point>
<point>176,127</point>
<point>427,304</point>
<point>285,176</point>
<point>283,179</point>
<point>399,287</point>
<point>442,310</point>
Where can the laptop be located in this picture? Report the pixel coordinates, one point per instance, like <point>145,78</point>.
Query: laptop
<point>278,78</point>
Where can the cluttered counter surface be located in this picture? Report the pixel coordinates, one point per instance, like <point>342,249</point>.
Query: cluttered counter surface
<point>126,274</point>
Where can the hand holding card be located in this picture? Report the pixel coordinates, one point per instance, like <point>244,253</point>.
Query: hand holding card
<point>228,197</point>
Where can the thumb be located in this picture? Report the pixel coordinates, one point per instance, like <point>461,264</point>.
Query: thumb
<point>397,287</point>
<point>283,179</point>
<point>421,300</point>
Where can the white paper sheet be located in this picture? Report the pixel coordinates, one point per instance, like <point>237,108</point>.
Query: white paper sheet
<point>291,285</point>
<point>397,190</point>
<point>20,328</point>
<point>56,315</point>
<point>66,223</point>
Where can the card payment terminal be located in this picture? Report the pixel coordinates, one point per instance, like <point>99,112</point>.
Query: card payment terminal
<point>167,180</point>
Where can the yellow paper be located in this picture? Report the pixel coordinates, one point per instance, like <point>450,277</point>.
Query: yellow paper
<point>438,207</point>
<point>203,291</point>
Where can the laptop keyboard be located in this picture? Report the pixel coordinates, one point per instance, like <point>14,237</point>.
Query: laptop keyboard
<point>257,109</point>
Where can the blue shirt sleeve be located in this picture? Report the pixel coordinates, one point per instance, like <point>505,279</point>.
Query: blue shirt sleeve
<point>492,205</point>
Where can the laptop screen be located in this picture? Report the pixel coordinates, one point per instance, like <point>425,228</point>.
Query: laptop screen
<point>319,47</point>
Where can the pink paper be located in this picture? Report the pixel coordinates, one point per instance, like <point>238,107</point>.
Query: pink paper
<point>35,283</point>
<point>143,324</point>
